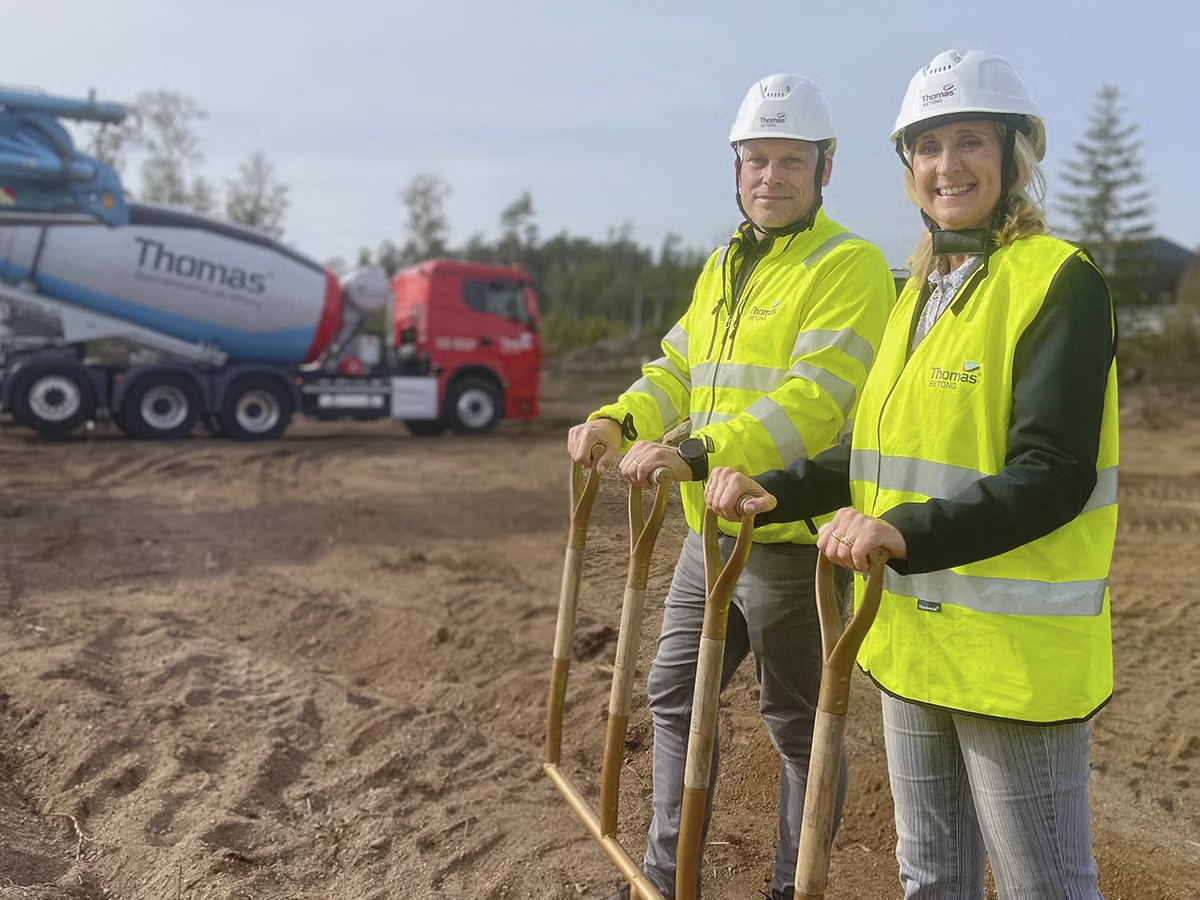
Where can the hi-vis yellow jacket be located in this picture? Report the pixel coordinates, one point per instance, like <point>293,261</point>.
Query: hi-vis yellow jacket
<point>1024,635</point>
<point>769,359</point>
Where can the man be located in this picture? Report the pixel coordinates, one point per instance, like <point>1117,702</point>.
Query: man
<point>767,363</point>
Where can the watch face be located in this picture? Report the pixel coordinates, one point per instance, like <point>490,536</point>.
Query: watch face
<point>695,454</point>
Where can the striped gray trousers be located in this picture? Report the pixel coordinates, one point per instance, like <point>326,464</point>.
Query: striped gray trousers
<point>966,786</point>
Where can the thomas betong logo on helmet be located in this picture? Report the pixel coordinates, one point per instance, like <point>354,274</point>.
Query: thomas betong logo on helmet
<point>945,93</point>
<point>155,256</point>
<point>771,121</point>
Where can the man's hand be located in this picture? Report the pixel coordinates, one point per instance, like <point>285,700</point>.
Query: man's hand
<point>582,438</point>
<point>647,457</point>
<point>726,487</point>
<point>851,537</point>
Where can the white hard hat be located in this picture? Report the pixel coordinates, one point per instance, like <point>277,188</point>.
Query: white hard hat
<point>958,84</point>
<point>784,106</point>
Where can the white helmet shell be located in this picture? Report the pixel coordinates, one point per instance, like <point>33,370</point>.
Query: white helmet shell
<point>784,106</point>
<point>973,82</point>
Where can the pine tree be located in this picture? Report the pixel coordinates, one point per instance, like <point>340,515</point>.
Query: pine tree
<point>1108,209</point>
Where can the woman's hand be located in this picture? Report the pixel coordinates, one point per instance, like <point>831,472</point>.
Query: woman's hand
<point>726,487</point>
<point>851,537</point>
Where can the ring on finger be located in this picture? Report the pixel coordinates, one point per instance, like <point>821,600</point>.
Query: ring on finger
<point>842,539</point>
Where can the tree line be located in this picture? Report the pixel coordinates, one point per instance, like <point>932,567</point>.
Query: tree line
<point>588,289</point>
<point>594,288</point>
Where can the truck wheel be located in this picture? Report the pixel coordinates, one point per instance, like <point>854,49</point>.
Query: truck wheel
<point>161,406</point>
<point>256,408</point>
<point>425,427</point>
<point>54,398</point>
<point>473,406</point>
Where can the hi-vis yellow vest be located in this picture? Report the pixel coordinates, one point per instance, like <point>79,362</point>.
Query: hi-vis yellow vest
<point>1024,635</point>
<point>770,374</point>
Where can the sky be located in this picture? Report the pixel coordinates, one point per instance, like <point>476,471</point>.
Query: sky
<point>609,113</point>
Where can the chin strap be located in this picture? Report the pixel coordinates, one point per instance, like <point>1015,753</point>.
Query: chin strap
<point>803,224</point>
<point>962,241</point>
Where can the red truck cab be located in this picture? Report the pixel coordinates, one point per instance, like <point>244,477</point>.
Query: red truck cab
<point>476,326</point>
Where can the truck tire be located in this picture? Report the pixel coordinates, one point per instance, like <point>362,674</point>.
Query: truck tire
<point>54,397</point>
<point>425,427</point>
<point>473,406</point>
<point>256,408</point>
<point>160,406</point>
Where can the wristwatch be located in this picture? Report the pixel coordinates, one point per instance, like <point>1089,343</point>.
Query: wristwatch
<point>694,452</point>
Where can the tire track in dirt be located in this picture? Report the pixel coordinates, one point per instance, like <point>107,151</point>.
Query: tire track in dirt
<point>1159,504</point>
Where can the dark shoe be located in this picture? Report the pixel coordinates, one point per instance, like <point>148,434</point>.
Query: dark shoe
<point>788,893</point>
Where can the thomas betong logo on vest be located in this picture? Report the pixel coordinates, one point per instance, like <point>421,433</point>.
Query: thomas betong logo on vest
<point>760,312</point>
<point>951,379</point>
<point>937,97</point>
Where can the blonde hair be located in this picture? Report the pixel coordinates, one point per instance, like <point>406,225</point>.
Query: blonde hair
<point>1024,214</point>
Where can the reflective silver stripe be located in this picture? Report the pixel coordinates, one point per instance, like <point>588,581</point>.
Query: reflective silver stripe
<point>941,480</point>
<point>829,245</point>
<point>720,258</point>
<point>919,476</point>
<point>740,376</point>
<point>713,418</point>
<point>1009,596</point>
<point>764,379</point>
<point>666,409</point>
<point>1105,491</point>
<point>664,363</point>
<point>780,427</point>
<point>677,340</point>
<point>841,391</point>
<point>863,465</point>
<point>845,340</point>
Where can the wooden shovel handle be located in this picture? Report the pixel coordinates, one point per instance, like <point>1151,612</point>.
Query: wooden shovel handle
<point>839,647</point>
<point>583,498</point>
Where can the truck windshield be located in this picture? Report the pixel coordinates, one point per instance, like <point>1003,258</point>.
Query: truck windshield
<point>499,298</point>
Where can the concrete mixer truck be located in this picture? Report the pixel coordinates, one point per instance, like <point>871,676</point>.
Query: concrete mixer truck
<point>160,318</point>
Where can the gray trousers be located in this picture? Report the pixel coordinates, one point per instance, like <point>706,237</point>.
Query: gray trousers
<point>965,786</point>
<point>772,616</point>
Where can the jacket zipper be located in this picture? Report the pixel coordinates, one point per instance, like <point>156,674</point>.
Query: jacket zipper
<point>741,280</point>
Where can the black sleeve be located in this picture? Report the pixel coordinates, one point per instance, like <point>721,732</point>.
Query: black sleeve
<point>1060,373</point>
<point>808,487</point>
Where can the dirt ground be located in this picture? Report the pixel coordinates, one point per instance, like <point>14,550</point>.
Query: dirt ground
<point>317,668</point>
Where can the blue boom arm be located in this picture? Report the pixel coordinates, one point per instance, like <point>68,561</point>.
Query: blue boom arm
<point>43,178</point>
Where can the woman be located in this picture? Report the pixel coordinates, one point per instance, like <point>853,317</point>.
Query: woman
<point>983,459</point>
